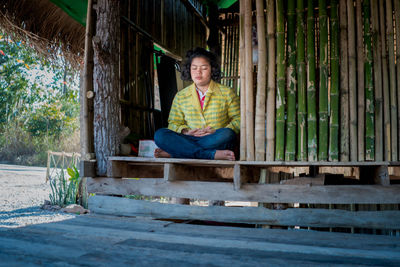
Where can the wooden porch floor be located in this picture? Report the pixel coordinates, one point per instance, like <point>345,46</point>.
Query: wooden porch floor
<point>94,240</point>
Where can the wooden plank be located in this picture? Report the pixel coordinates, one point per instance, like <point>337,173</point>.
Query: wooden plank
<point>117,169</point>
<point>219,247</point>
<point>106,247</point>
<point>87,168</point>
<point>268,193</point>
<point>254,215</point>
<point>202,162</point>
<point>314,238</point>
<point>182,172</point>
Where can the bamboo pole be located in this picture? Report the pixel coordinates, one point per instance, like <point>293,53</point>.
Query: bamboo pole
<point>261,83</point>
<point>270,153</point>
<point>369,86</point>
<point>334,93</point>
<point>397,17</point>
<point>376,48</point>
<point>392,81</point>
<point>249,80</point>
<point>280,73</point>
<point>386,101</point>
<point>344,84</point>
<point>311,91</point>
<point>302,86</point>
<point>323,82</point>
<point>360,83</point>
<point>352,79</point>
<point>243,142</point>
<point>290,150</point>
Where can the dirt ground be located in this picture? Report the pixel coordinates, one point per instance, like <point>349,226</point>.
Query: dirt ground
<point>23,189</point>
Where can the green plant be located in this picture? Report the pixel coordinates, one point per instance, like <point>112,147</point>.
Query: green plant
<point>65,191</point>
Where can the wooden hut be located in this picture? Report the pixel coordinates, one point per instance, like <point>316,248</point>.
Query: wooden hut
<point>320,106</point>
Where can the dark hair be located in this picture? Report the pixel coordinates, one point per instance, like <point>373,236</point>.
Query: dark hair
<point>209,56</point>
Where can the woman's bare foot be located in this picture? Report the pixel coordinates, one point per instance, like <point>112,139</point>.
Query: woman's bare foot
<point>159,153</point>
<point>224,155</point>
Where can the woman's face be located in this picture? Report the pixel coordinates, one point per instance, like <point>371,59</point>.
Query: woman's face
<point>200,71</point>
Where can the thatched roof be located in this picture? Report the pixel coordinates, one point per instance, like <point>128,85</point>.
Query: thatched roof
<point>45,26</point>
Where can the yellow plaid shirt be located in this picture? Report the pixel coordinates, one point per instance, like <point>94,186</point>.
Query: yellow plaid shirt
<point>221,109</point>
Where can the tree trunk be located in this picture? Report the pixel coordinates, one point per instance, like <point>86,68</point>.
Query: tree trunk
<point>261,84</point>
<point>106,83</point>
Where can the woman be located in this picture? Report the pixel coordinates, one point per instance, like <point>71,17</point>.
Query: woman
<point>204,117</point>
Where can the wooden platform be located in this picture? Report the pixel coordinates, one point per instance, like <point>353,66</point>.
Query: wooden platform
<point>94,240</point>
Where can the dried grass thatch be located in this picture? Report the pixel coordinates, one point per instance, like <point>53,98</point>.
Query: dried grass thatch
<point>44,25</point>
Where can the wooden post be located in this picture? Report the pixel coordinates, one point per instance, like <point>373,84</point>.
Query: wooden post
<point>270,153</point>
<point>106,86</point>
<point>249,80</point>
<point>261,83</point>
<point>243,133</point>
<point>360,82</point>
<point>344,84</point>
<point>86,96</point>
<point>352,80</point>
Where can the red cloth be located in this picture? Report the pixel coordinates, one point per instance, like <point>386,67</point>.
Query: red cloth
<point>201,99</point>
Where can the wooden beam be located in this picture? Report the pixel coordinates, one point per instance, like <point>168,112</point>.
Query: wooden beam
<point>268,193</point>
<point>254,215</point>
<point>228,163</point>
<point>87,168</point>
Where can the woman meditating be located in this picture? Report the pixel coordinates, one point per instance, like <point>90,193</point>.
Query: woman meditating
<point>204,117</point>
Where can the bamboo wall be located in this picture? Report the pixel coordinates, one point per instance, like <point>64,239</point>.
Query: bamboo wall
<point>229,41</point>
<point>173,25</point>
<point>330,87</point>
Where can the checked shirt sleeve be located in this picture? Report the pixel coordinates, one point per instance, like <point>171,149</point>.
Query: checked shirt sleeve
<point>176,119</point>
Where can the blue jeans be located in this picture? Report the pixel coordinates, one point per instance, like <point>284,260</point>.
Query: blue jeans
<point>192,147</point>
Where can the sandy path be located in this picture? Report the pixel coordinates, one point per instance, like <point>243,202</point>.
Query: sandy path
<point>22,191</point>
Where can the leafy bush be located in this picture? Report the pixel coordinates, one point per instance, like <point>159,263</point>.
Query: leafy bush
<point>65,191</point>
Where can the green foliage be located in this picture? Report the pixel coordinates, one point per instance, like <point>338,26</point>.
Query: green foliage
<point>39,103</point>
<point>65,191</point>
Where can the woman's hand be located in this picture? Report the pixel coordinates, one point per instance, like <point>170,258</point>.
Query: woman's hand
<point>199,132</point>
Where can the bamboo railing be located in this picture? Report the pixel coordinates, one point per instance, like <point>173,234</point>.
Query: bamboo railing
<point>328,83</point>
